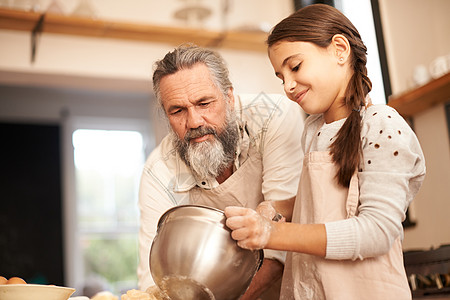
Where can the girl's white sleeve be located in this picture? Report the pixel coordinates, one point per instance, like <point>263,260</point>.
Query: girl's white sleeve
<point>390,175</point>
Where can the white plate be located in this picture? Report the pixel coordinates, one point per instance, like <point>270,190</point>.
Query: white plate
<point>34,292</point>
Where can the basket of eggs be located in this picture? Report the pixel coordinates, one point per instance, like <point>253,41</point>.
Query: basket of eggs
<point>15,288</point>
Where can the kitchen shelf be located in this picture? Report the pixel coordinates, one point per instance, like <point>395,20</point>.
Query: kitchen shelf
<point>418,100</point>
<point>27,21</point>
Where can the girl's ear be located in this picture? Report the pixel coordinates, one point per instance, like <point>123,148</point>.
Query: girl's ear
<point>341,47</point>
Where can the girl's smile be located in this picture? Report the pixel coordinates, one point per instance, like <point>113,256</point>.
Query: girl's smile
<point>313,76</point>
<point>299,97</point>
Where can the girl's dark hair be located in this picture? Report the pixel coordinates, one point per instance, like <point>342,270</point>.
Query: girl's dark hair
<point>318,23</point>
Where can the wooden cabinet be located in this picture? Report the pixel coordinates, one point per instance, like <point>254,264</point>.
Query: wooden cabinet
<point>51,23</point>
<point>415,101</point>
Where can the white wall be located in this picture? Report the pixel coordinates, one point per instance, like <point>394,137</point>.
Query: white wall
<point>107,58</point>
<point>416,32</point>
<point>117,65</point>
<point>240,13</point>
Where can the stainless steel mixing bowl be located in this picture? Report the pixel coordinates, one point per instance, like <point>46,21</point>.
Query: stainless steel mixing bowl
<point>194,257</point>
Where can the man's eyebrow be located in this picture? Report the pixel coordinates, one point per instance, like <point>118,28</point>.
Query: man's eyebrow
<point>204,98</point>
<point>176,106</point>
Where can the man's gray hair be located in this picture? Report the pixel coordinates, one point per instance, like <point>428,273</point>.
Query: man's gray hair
<point>186,56</point>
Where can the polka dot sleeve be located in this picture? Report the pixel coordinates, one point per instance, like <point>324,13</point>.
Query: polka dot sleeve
<point>390,147</point>
<point>388,143</point>
<point>390,174</point>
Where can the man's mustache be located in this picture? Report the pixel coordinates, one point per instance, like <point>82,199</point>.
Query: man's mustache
<point>198,132</point>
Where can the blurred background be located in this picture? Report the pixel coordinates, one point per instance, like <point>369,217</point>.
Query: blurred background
<point>78,116</point>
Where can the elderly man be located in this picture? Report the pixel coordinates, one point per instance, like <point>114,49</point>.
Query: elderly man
<point>221,150</point>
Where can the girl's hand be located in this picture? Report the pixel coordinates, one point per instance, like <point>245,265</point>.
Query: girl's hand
<point>250,229</point>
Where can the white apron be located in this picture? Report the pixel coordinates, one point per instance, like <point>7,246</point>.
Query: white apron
<point>320,199</point>
<point>242,188</point>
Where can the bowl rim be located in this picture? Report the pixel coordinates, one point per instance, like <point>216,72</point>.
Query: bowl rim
<point>2,286</point>
<point>167,212</point>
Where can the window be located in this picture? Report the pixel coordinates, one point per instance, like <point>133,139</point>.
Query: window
<point>107,170</point>
<point>362,16</point>
<point>365,16</point>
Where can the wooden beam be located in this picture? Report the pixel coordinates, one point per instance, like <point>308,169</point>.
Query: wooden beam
<point>59,24</point>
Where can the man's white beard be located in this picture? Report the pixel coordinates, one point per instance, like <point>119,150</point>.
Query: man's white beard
<point>208,159</point>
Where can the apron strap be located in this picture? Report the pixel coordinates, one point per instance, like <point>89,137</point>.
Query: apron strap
<point>353,196</point>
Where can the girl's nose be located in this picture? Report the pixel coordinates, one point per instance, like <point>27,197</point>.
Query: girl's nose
<point>289,86</point>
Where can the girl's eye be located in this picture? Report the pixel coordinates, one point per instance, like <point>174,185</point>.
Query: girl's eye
<point>295,69</point>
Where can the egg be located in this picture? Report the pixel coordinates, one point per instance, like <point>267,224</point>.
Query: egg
<point>105,295</point>
<point>16,280</point>
<point>3,280</point>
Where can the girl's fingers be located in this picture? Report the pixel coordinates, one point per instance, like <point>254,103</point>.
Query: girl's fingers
<point>235,222</point>
<point>232,211</point>
<point>239,234</point>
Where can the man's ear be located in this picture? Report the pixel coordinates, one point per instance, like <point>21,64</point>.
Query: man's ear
<point>230,97</point>
<point>341,48</point>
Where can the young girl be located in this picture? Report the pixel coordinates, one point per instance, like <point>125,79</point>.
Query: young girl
<point>362,168</point>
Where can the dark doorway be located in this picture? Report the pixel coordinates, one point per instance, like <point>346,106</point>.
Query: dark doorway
<point>302,3</point>
<point>31,230</point>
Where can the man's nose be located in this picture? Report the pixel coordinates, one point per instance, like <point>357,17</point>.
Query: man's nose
<point>194,118</point>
